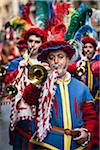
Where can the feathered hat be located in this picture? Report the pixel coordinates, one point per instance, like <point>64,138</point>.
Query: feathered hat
<point>50,17</point>
<point>36,31</point>
<point>49,46</point>
<point>91,40</point>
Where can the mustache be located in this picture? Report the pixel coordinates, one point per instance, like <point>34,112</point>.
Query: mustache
<point>55,65</point>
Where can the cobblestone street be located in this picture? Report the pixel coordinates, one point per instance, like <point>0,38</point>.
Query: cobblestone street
<point>4,125</point>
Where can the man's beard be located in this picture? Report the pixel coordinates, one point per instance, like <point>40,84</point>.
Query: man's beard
<point>62,71</point>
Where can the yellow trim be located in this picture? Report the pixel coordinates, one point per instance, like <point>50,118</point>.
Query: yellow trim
<point>79,148</point>
<point>25,57</point>
<point>59,81</point>
<point>69,114</point>
<point>43,144</point>
<point>66,113</point>
<point>97,96</point>
<point>90,77</point>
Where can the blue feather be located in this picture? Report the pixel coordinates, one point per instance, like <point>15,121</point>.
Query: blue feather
<point>51,12</point>
<point>83,30</point>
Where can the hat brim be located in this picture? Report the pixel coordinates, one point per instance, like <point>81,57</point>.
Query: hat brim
<point>91,40</point>
<point>66,48</point>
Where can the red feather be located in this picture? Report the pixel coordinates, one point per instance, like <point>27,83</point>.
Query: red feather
<point>61,10</point>
<point>26,12</point>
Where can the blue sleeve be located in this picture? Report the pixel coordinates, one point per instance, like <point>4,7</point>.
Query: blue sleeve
<point>13,65</point>
<point>96,57</point>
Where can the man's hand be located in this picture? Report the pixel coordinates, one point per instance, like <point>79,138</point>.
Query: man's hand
<point>46,66</point>
<point>83,137</point>
<point>22,63</point>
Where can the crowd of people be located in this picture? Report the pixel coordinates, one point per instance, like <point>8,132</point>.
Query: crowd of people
<point>50,77</point>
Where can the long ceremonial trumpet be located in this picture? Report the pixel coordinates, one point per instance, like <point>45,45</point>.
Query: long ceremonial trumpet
<point>37,74</point>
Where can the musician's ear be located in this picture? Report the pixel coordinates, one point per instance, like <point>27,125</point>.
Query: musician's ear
<point>68,60</point>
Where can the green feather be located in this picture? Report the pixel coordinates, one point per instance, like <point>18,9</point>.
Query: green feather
<point>78,19</point>
<point>41,13</point>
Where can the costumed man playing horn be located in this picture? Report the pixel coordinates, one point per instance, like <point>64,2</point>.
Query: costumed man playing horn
<point>82,68</point>
<point>92,80</point>
<point>22,114</point>
<point>87,69</point>
<point>65,118</point>
<point>34,37</point>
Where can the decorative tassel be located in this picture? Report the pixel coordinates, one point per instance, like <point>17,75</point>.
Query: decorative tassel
<point>45,104</point>
<point>31,94</point>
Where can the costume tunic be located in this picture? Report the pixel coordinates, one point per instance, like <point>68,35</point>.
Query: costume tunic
<point>88,78</point>
<point>22,115</point>
<point>66,113</point>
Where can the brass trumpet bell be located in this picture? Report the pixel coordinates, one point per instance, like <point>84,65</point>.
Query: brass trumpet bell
<point>37,74</point>
<point>80,70</point>
<point>11,90</point>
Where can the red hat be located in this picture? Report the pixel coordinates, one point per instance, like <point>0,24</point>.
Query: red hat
<point>36,31</point>
<point>49,46</point>
<point>88,39</point>
<point>22,44</point>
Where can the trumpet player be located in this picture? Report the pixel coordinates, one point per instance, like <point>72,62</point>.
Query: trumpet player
<point>60,122</point>
<point>33,37</point>
<point>22,114</point>
<point>17,69</point>
<point>86,70</point>
<point>82,67</point>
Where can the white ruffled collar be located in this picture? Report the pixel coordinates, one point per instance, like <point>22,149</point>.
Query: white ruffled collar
<point>67,78</point>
